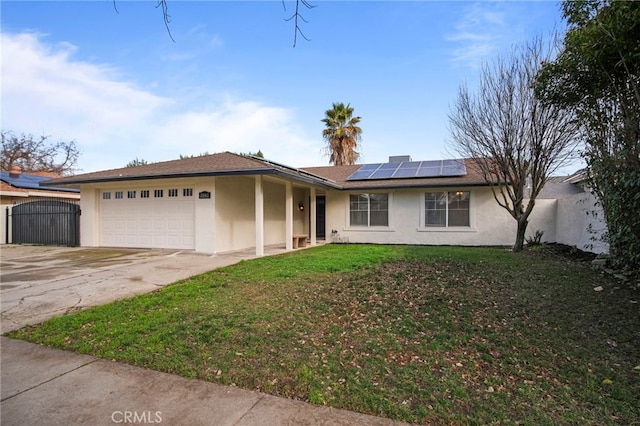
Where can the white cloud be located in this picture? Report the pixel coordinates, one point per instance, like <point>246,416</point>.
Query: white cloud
<point>479,33</point>
<point>46,91</point>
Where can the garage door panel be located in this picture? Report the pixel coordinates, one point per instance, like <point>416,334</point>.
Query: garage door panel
<point>148,222</point>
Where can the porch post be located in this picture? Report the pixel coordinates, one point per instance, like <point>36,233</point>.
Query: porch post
<point>259,195</point>
<point>289,217</point>
<point>312,213</point>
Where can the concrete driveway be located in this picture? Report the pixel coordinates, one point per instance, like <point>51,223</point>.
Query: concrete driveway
<point>38,283</point>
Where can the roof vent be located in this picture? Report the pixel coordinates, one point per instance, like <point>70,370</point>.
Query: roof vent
<point>15,172</point>
<point>399,158</point>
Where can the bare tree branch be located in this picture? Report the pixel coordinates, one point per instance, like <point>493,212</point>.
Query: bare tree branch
<point>518,141</point>
<point>165,15</point>
<point>38,155</point>
<point>298,16</point>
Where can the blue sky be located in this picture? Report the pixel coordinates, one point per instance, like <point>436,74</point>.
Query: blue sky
<point>118,85</point>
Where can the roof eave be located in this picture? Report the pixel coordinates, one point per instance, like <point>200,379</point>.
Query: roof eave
<point>162,176</point>
<point>418,185</point>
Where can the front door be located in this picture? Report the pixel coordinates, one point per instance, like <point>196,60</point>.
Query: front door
<point>320,216</point>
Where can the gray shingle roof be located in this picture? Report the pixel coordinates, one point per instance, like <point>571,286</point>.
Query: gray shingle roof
<point>227,163</point>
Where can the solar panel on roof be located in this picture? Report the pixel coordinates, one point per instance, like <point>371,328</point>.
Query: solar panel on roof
<point>370,167</point>
<point>382,174</point>
<point>23,181</point>
<point>389,166</point>
<point>27,181</point>
<point>360,174</point>
<point>453,168</point>
<point>406,170</point>
<point>410,169</point>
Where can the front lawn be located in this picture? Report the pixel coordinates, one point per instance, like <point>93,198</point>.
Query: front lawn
<point>420,334</point>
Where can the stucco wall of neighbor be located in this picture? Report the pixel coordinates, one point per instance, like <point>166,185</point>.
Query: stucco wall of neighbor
<point>205,215</point>
<point>575,214</point>
<point>489,223</point>
<point>235,213</point>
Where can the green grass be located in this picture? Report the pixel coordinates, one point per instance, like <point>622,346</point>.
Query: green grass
<point>420,334</point>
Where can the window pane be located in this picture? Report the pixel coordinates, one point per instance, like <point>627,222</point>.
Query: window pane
<point>458,217</point>
<point>379,202</point>
<point>435,213</point>
<point>369,210</point>
<point>358,209</point>
<point>435,218</point>
<point>358,218</point>
<point>459,208</point>
<point>379,218</point>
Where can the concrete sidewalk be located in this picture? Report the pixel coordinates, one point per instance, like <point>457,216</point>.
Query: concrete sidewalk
<point>45,386</point>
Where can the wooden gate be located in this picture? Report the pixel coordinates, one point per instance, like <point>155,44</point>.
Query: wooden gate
<point>46,222</point>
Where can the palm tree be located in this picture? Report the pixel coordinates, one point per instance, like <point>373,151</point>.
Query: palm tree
<point>342,134</point>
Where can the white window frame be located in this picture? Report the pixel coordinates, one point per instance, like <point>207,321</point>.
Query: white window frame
<point>369,227</point>
<point>422,226</point>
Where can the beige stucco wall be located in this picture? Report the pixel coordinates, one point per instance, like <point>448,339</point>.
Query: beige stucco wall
<point>490,224</point>
<point>204,215</point>
<point>89,231</point>
<point>301,218</point>
<point>274,212</point>
<point>225,222</point>
<point>564,221</point>
<point>235,213</point>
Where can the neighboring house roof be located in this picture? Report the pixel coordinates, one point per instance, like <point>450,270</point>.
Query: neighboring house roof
<point>578,177</point>
<point>559,187</point>
<point>229,164</point>
<point>17,183</point>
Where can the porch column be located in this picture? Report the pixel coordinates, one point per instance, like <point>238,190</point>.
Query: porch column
<point>312,213</point>
<point>259,195</point>
<point>289,217</point>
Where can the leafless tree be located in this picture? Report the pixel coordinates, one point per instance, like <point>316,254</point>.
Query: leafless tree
<point>38,155</point>
<point>518,141</point>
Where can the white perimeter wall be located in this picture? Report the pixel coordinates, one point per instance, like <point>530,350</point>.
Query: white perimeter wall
<point>3,222</point>
<point>581,223</point>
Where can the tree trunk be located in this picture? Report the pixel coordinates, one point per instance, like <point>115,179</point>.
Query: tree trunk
<point>522,229</point>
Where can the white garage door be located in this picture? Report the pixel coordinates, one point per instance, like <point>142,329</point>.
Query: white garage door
<point>154,218</point>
